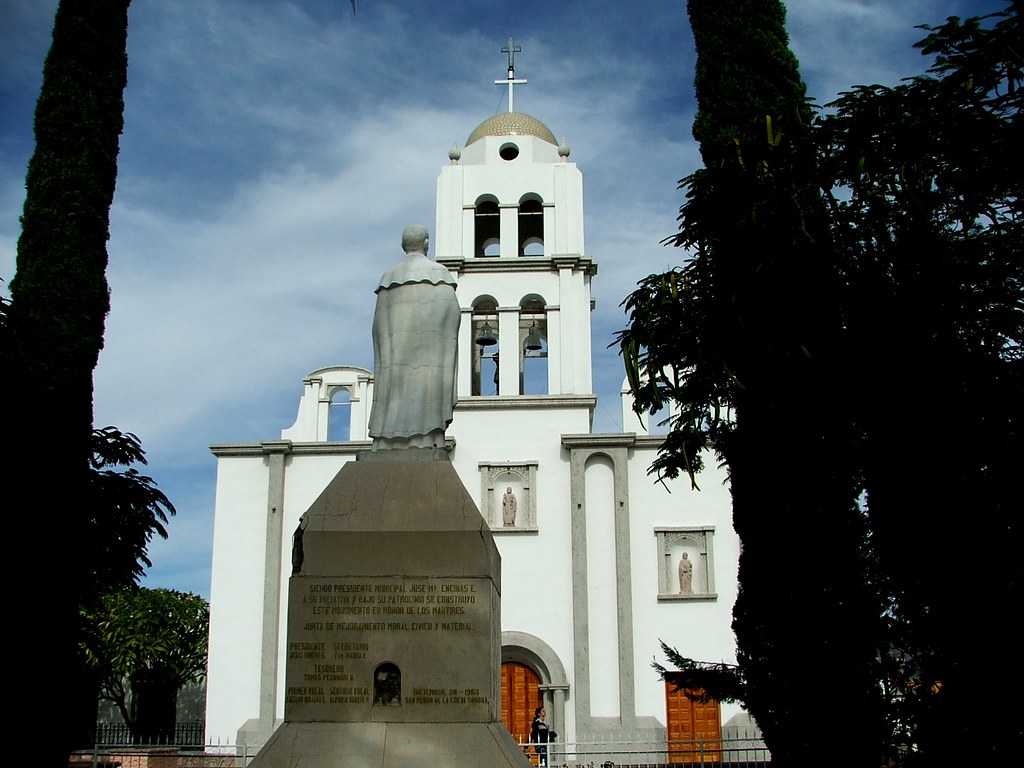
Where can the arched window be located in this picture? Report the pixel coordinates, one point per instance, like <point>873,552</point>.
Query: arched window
<point>531,227</point>
<point>339,416</point>
<point>487,229</point>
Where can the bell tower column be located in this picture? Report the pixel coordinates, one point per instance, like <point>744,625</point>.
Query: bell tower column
<point>508,346</point>
<point>509,236</point>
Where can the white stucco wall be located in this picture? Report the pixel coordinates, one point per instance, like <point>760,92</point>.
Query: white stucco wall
<point>599,527</point>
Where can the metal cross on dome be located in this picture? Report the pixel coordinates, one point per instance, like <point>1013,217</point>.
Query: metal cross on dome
<point>511,49</point>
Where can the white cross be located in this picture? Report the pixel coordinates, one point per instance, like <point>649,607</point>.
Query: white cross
<point>511,49</point>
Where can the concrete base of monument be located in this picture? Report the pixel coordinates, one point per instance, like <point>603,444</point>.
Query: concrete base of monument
<point>391,745</point>
<point>394,626</point>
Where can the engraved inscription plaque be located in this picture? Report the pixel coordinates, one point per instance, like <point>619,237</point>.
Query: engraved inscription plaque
<point>342,630</point>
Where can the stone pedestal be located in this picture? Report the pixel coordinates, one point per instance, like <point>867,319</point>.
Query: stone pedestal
<point>394,626</point>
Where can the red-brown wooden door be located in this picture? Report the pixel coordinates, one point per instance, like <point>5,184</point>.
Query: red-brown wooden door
<point>520,696</point>
<point>694,729</point>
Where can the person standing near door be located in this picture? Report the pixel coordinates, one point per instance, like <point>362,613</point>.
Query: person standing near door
<point>541,735</point>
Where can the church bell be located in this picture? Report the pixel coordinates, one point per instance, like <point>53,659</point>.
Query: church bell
<point>486,337</point>
<point>533,338</point>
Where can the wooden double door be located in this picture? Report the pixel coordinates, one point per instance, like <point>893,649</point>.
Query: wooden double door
<point>520,696</point>
<point>694,728</point>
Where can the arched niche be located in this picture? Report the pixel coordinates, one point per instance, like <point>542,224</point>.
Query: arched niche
<point>498,478</point>
<point>687,563</point>
<point>387,685</point>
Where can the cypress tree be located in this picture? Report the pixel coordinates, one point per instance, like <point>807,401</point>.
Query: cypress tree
<point>746,337</point>
<point>874,345</point>
<point>803,579</point>
<point>59,304</point>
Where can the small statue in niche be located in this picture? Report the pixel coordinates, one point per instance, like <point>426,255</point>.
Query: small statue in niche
<point>387,685</point>
<point>508,508</point>
<point>685,575</point>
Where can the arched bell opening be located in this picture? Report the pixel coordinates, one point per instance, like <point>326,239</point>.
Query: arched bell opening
<point>485,346</point>
<point>533,344</point>
<point>339,414</point>
<point>487,229</point>
<point>531,226</point>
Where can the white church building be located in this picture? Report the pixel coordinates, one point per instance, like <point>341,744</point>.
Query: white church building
<point>599,562</point>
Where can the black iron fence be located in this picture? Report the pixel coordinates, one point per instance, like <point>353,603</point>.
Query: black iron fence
<point>714,753</point>
<point>182,734</point>
<point>722,753</point>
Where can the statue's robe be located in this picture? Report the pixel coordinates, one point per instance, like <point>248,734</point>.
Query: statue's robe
<point>415,350</point>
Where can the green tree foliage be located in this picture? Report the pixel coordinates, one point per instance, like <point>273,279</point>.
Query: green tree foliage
<point>703,681</point>
<point>59,303</point>
<point>126,510</point>
<point>155,640</point>
<point>846,335</point>
<point>927,211</point>
<point>5,305</point>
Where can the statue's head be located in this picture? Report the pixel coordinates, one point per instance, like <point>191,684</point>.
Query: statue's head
<point>414,239</point>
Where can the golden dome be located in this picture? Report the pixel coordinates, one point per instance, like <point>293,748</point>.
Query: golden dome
<point>512,124</point>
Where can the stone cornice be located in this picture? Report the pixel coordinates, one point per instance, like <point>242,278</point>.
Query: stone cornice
<point>517,402</point>
<point>287,446</point>
<point>611,439</point>
<point>325,448</point>
<point>460,265</point>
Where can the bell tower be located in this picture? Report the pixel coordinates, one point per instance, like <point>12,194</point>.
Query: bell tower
<point>510,227</point>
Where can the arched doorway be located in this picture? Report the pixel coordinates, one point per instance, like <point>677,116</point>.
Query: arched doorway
<point>520,696</point>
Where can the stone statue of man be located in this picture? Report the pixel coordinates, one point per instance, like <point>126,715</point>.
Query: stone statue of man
<point>685,575</point>
<point>508,507</point>
<point>415,350</point>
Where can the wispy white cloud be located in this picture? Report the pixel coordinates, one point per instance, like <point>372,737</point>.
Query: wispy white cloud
<point>841,43</point>
<point>273,152</point>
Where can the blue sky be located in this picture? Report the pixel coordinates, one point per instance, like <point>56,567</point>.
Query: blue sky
<point>273,152</point>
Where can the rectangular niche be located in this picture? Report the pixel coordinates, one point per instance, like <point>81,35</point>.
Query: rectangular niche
<point>686,563</point>
<point>508,495</point>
